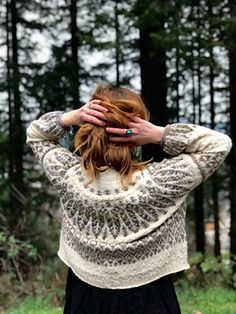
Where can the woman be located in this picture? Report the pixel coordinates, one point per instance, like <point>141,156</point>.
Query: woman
<point>123,222</point>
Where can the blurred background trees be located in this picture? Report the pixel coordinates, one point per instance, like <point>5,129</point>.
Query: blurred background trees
<point>181,56</point>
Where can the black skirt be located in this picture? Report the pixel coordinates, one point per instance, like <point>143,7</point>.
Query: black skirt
<point>157,297</point>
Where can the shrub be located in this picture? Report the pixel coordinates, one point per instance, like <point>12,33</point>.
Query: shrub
<point>210,269</point>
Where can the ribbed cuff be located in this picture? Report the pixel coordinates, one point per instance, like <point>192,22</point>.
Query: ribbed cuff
<point>59,114</point>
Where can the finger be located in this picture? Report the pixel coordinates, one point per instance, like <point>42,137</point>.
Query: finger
<point>117,131</point>
<point>96,101</point>
<point>95,113</point>
<point>91,119</point>
<point>136,119</point>
<point>132,125</point>
<point>122,132</point>
<point>95,106</point>
<point>119,139</point>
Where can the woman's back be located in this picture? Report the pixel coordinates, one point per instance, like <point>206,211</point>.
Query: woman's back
<point>117,236</point>
<point>123,221</point>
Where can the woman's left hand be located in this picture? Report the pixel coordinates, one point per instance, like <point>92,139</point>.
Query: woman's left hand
<point>141,132</point>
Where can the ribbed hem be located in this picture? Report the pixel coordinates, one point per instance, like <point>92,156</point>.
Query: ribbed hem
<point>130,275</point>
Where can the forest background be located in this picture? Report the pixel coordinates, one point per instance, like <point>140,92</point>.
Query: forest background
<point>181,57</point>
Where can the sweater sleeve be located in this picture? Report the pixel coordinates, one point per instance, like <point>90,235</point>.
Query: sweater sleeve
<point>196,153</point>
<point>43,137</point>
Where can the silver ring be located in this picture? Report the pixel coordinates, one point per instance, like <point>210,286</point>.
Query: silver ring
<point>129,132</point>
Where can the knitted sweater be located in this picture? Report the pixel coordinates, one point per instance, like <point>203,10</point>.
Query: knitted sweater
<point>121,237</point>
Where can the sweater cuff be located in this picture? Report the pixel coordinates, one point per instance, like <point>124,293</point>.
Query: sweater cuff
<point>52,124</point>
<point>59,114</point>
<point>177,137</point>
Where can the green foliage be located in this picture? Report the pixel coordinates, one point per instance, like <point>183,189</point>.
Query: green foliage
<point>13,247</point>
<point>16,258</point>
<point>208,300</point>
<point>14,251</point>
<point>45,281</point>
<point>218,271</point>
<point>36,306</point>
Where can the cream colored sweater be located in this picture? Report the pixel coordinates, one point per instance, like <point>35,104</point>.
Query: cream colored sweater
<point>115,237</point>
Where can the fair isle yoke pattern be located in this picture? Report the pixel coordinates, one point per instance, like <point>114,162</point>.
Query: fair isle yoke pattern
<point>115,237</point>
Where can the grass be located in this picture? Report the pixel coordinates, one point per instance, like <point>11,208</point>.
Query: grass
<point>207,301</point>
<point>35,306</point>
<point>192,300</point>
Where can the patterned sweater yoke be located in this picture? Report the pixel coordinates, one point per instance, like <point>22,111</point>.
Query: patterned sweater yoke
<point>116,237</point>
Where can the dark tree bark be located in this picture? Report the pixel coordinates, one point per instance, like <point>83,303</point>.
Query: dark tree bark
<point>232,76</point>
<point>74,54</point>
<point>153,81</point>
<point>177,23</point>
<point>9,92</point>
<point>199,192</point>
<point>177,66</point>
<point>193,72</point>
<point>199,219</point>
<point>16,140</point>
<point>214,179</point>
<point>193,94</point>
<point>193,90</point>
<point>117,43</point>
<point>153,75</point>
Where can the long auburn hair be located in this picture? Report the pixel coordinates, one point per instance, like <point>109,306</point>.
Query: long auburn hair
<point>98,153</point>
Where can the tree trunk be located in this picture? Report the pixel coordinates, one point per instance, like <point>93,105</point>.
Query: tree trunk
<point>74,55</point>
<point>117,43</point>
<point>232,76</point>
<point>9,96</point>
<point>193,72</point>
<point>16,140</point>
<point>154,83</point>
<point>177,21</point>
<point>193,90</point>
<point>199,220</point>
<point>193,95</point>
<point>214,177</point>
<point>177,64</point>
<point>199,192</point>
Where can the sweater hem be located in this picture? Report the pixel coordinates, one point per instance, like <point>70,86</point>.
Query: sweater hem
<point>145,278</point>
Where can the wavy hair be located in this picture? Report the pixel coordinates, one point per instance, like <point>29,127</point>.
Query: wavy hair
<point>98,154</point>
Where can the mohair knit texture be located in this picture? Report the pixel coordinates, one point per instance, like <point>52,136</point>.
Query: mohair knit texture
<point>121,237</point>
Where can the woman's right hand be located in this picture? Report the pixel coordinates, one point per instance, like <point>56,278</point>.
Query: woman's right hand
<point>91,112</point>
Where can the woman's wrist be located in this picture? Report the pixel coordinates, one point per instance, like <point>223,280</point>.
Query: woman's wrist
<point>68,118</point>
<point>158,134</point>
